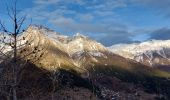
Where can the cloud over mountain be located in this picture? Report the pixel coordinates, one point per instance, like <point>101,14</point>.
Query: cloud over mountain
<point>117,20</point>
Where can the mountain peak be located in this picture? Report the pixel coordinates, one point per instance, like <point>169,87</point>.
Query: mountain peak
<point>79,35</point>
<point>39,27</point>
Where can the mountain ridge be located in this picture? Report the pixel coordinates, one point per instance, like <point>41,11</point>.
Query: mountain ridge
<point>81,52</point>
<point>82,62</point>
<point>151,53</point>
<point>148,53</point>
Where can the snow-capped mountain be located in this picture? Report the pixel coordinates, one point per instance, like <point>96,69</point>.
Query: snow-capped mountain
<point>76,47</point>
<point>152,53</point>
<point>79,52</point>
<point>50,50</point>
<point>45,52</point>
<point>82,49</point>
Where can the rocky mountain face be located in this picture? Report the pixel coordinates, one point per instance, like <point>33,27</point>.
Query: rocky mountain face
<point>154,53</point>
<point>86,68</point>
<point>78,51</point>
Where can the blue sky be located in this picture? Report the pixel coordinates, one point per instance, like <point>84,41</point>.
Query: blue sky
<point>107,21</point>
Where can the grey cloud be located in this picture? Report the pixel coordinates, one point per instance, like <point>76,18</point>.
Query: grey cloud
<point>85,17</point>
<point>69,24</point>
<point>161,34</point>
<point>160,6</point>
<point>121,36</point>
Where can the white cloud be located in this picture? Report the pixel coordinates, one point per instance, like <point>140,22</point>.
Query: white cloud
<point>96,16</point>
<point>45,2</point>
<point>64,15</point>
<point>85,17</point>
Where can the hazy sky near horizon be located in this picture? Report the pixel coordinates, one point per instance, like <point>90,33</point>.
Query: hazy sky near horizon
<point>107,21</point>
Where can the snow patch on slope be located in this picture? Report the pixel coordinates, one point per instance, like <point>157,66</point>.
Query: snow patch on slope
<point>146,49</point>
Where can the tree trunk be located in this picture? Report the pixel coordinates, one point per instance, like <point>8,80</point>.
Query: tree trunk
<point>15,49</point>
<point>15,42</point>
<point>15,60</point>
<point>14,94</point>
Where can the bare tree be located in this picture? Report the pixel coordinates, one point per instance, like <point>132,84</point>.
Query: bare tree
<point>10,44</point>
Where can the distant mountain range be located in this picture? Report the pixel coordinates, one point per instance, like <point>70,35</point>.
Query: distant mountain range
<point>150,53</point>
<point>154,53</point>
<point>82,54</point>
<point>107,68</point>
<point>84,51</point>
